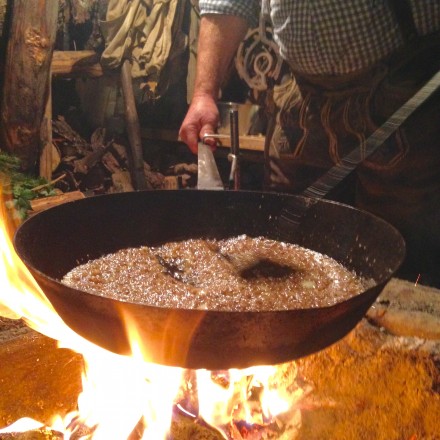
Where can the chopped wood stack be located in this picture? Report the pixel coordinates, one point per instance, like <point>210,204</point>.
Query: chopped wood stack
<point>101,166</point>
<point>96,167</point>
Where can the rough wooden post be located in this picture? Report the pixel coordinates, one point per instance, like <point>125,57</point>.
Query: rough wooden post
<point>133,128</point>
<point>27,77</point>
<point>46,148</point>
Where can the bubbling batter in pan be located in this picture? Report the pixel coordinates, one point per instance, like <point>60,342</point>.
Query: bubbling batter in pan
<point>207,274</point>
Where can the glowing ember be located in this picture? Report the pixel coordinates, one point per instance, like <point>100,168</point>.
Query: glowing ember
<point>122,394</point>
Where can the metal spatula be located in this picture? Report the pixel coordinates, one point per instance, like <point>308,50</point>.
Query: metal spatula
<point>208,176</point>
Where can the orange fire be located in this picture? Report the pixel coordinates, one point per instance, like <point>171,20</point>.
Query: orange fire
<point>119,391</point>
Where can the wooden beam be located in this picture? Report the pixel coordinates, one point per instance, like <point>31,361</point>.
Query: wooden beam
<point>76,64</point>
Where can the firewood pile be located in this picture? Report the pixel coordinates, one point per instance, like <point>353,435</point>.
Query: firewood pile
<point>102,166</point>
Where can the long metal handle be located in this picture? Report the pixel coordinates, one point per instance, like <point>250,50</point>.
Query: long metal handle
<point>348,163</point>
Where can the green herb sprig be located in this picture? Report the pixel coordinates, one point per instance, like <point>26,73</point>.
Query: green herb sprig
<point>23,186</point>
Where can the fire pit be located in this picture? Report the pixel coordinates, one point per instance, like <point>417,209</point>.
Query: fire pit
<point>380,382</point>
<point>75,389</point>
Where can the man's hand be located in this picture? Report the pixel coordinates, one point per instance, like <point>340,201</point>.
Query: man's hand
<point>202,118</point>
<point>219,38</point>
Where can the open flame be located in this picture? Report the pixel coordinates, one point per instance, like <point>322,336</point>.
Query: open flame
<point>121,394</point>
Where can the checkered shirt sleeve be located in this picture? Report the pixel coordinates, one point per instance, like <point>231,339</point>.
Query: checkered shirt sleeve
<point>247,9</point>
<point>331,36</point>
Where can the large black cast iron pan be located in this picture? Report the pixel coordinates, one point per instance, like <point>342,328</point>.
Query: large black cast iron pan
<point>54,241</point>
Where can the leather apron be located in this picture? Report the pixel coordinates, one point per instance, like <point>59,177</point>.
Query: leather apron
<point>317,120</point>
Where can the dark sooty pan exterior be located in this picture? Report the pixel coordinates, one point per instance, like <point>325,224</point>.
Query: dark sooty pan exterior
<point>52,242</point>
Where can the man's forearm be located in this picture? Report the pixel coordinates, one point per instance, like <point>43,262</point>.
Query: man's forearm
<point>219,38</point>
